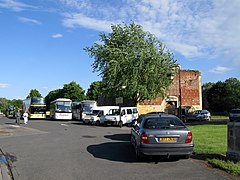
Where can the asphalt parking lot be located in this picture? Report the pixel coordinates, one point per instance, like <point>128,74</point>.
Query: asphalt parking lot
<point>71,150</point>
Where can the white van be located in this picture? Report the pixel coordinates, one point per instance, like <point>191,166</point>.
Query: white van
<point>97,115</point>
<point>121,116</point>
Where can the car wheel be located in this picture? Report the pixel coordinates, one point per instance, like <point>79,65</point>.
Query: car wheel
<point>199,119</point>
<point>120,124</point>
<point>98,123</point>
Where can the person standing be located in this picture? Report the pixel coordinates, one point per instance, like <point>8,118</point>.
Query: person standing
<point>25,117</point>
<point>18,116</point>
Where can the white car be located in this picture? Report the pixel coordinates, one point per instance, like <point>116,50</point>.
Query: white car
<point>121,116</point>
<point>203,115</point>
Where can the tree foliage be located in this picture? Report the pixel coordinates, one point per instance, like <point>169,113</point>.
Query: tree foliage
<point>5,103</point>
<point>72,91</point>
<point>132,58</point>
<point>34,93</point>
<point>95,90</point>
<point>222,96</point>
<point>52,95</point>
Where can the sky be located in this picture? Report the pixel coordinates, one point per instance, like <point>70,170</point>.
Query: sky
<point>42,42</point>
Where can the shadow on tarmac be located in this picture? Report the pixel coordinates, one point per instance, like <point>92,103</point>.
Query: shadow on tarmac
<point>122,151</point>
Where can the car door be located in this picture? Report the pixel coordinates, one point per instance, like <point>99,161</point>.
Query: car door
<point>123,116</point>
<point>129,115</point>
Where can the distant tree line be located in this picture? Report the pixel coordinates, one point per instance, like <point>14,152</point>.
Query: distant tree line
<point>221,97</point>
<point>72,91</point>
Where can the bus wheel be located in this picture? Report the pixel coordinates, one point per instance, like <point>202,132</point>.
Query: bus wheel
<point>120,124</point>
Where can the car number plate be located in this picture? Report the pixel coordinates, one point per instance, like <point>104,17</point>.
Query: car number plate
<point>167,139</point>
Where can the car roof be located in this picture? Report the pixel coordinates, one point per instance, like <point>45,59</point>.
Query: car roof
<point>158,115</point>
<point>157,112</point>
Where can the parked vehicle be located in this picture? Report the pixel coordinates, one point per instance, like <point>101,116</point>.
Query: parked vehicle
<point>234,115</point>
<point>77,110</point>
<point>97,115</point>
<point>61,108</point>
<point>121,116</point>
<point>161,135</point>
<point>81,108</point>
<point>35,107</point>
<point>10,111</point>
<point>87,107</point>
<point>199,115</point>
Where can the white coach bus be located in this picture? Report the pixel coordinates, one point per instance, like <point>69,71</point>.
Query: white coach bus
<point>61,108</point>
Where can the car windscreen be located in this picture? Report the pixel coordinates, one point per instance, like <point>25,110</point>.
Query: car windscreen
<point>94,112</point>
<point>162,123</point>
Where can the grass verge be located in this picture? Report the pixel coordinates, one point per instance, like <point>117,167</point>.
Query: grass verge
<point>211,144</point>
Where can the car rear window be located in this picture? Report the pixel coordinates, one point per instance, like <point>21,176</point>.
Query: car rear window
<point>162,123</point>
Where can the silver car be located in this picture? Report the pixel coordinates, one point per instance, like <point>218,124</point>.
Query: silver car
<point>199,115</point>
<point>161,135</point>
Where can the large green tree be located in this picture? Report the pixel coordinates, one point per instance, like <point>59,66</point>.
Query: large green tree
<point>132,58</point>
<point>34,93</point>
<point>95,90</point>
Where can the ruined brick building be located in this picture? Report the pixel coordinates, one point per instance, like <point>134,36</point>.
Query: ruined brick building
<point>185,94</point>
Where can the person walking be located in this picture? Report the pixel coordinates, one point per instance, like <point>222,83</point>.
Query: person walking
<point>18,116</point>
<point>25,117</point>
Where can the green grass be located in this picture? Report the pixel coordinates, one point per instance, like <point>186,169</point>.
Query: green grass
<point>219,117</point>
<point>211,144</point>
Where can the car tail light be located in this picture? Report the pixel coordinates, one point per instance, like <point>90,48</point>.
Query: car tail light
<point>144,138</point>
<point>189,137</point>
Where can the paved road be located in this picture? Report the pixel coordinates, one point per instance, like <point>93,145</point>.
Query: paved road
<point>69,150</point>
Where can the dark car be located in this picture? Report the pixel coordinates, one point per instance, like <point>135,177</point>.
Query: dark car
<point>161,135</point>
<point>157,112</point>
<point>234,115</point>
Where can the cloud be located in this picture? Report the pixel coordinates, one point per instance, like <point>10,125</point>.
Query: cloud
<point>79,19</point>
<point>57,36</point>
<point>186,49</point>
<point>28,20</point>
<point>220,70</point>
<point>3,85</point>
<point>199,29</point>
<point>15,5</point>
